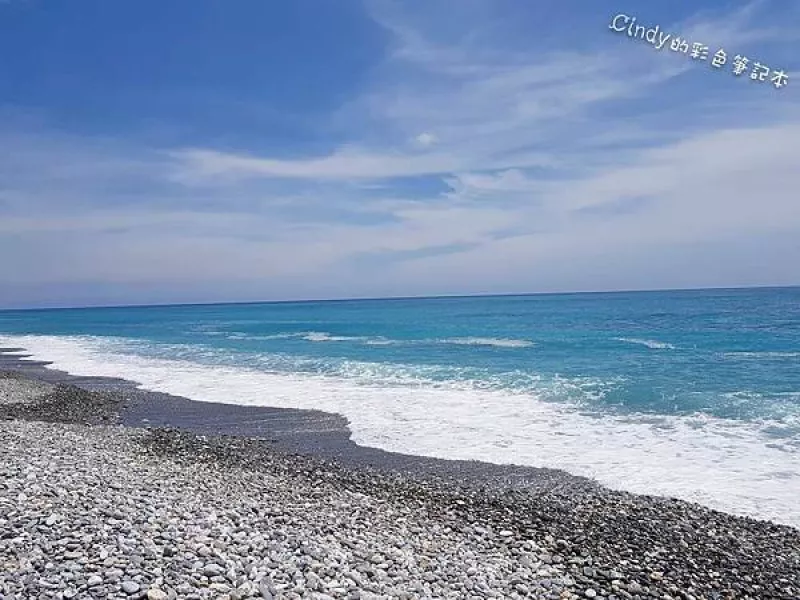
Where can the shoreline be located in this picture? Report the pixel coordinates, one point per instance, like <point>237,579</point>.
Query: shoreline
<point>317,433</point>
<point>614,544</point>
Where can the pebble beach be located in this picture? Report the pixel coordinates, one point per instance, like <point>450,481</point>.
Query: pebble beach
<point>92,509</point>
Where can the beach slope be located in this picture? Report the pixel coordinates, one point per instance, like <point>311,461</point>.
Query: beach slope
<point>99,510</point>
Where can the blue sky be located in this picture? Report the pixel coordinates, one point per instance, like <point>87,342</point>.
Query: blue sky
<point>193,150</point>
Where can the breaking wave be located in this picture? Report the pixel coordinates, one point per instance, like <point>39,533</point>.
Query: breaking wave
<point>652,344</point>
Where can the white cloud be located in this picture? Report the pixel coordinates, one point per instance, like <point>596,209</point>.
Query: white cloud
<point>426,139</point>
<point>347,163</point>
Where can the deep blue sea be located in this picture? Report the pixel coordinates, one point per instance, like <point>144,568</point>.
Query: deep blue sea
<point>693,394</point>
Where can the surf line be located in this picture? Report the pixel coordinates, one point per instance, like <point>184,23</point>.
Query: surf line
<point>653,35</point>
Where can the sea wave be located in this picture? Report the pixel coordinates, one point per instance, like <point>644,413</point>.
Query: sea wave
<point>652,344</point>
<point>381,341</point>
<point>480,341</point>
<point>325,336</point>
<point>753,354</point>
<point>237,335</point>
<point>726,464</point>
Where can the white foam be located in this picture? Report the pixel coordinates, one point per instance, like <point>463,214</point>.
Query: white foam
<point>249,337</point>
<point>728,465</point>
<point>310,336</point>
<point>497,342</point>
<point>761,354</point>
<point>322,336</point>
<point>381,341</point>
<point>652,344</point>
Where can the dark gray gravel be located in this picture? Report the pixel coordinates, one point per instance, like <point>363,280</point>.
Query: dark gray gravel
<point>24,398</point>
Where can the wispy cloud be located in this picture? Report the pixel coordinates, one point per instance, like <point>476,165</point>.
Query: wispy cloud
<point>488,109</point>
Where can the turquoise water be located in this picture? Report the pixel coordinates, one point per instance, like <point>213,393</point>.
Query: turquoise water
<point>625,376</point>
<point>733,354</point>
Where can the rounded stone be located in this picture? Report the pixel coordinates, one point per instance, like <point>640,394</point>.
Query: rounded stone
<point>130,587</point>
<point>155,593</point>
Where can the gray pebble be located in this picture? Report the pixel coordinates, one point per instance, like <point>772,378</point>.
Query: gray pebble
<point>130,587</point>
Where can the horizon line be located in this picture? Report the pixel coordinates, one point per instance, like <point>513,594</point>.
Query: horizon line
<point>388,298</point>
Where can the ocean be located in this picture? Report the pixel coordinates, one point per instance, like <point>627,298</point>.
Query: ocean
<point>688,394</point>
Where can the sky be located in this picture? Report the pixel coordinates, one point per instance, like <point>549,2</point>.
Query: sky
<point>160,151</point>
